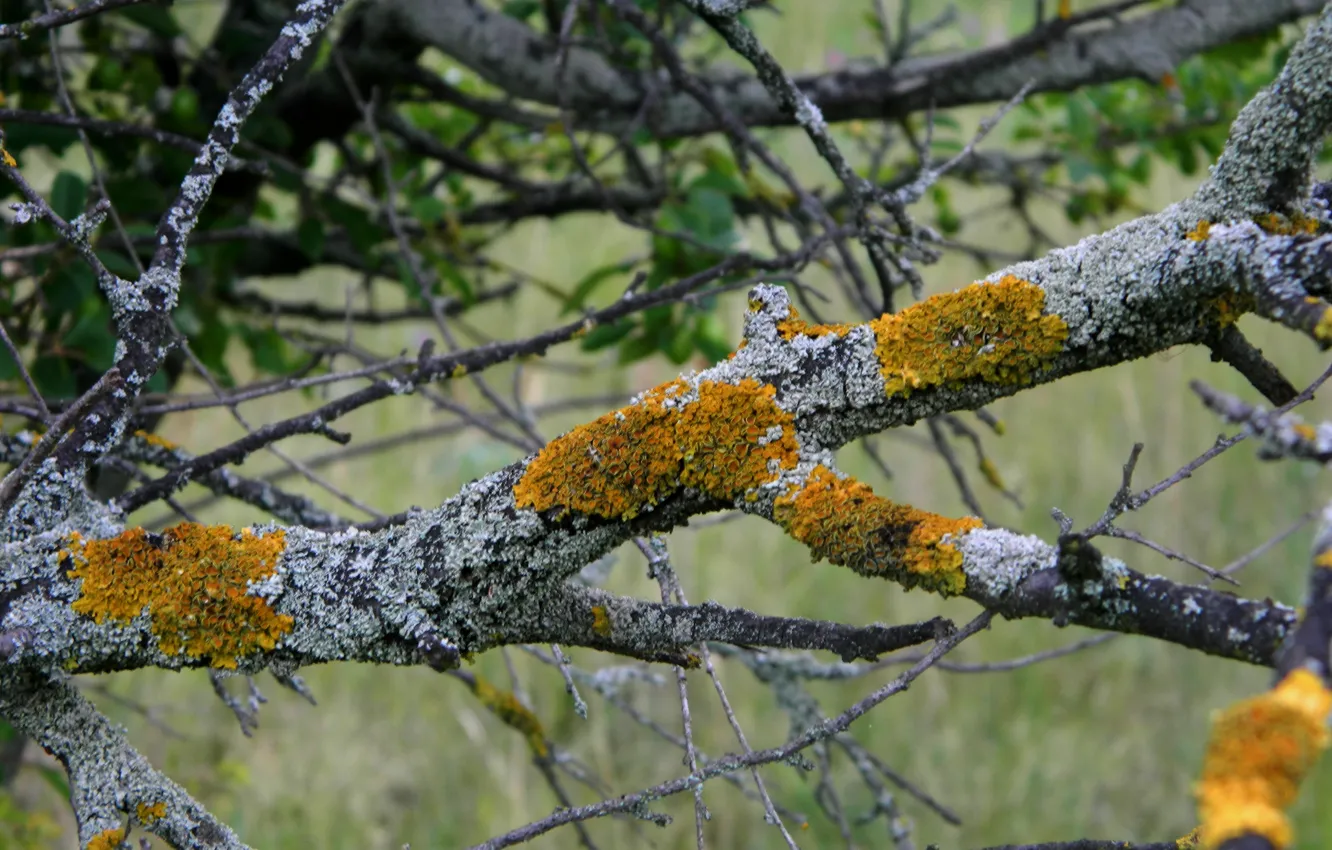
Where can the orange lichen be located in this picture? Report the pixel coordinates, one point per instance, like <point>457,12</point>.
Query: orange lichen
<point>107,839</point>
<point>992,332</point>
<point>601,621</point>
<point>842,520</point>
<point>793,326</point>
<point>148,814</point>
<point>632,458</point>
<point>192,580</point>
<point>1200,232</point>
<point>1292,225</point>
<point>154,440</point>
<point>513,713</point>
<point>1260,750</point>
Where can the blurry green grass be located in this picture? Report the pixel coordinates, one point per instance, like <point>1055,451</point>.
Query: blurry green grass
<point>1102,744</point>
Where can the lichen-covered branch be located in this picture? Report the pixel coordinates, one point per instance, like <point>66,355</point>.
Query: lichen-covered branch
<point>593,618</point>
<point>1262,747</point>
<point>521,61</point>
<point>113,786</point>
<point>142,309</point>
<point>53,19</point>
<point>758,432</point>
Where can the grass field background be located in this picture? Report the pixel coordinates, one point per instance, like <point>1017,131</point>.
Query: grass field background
<point>1101,744</point>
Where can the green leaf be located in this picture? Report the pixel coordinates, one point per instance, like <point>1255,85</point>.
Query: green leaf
<point>185,105</point>
<point>458,282</point>
<point>1140,170</point>
<point>144,78</point>
<point>117,263</point>
<point>310,235</point>
<point>363,233</point>
<point>53,376</point>
<point>947,121</point>
<point>711,338</point>
<point>521,9</point>
<point>604,336</point>
<point>55,139</point>
<point>69,192</point>
<point>428,209</point>
<point>72,286</point>
<point>268,350</point>
<point>680,345</point>
<point>8,371</point>
<point>92,335</point>
<point>156,19</point>
<point>638,347</point>
<point>590,281</point>
<point>710,216</point>
<point>210,345</point>
<point>1079,121</point>
<point>55,778</point>
<point>1079,167</point>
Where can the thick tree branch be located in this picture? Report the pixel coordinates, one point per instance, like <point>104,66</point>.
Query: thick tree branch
<point>111,783</point>
<point>521,61</point>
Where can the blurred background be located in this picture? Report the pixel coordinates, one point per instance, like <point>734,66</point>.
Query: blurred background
<point>1104,743</point>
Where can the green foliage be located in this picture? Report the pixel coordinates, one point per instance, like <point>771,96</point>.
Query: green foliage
<point>1111,136</point>
<point>25,830</point>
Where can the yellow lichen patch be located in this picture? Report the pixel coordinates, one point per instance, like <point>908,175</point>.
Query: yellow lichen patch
<point>1322,331</point>
<point>1227,309</point>
<point>1200,231</point>
<point>107,839</point>
<point>1323,560</point>
<point>192,580</point>
<point>1259,752</point>
<point>991,473</point>
<point>1292,225</point>
<point>793,326</point>
<point>1189,841</point>
<point>1305,432</point>
<point>517,716</point>
<point>842,520</point>
<point>154,440</point>
<point>722,443</point>
<point>148,814</point>
<point>601,621</point>
<point>991,332</point>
